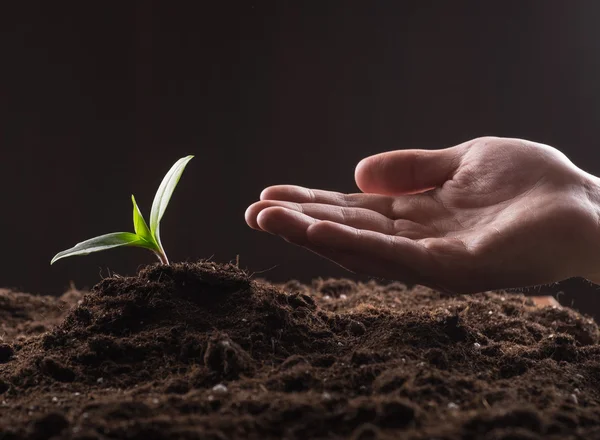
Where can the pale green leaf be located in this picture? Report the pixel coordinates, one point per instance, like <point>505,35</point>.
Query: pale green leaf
<point>102,243</point>
<point>163,195</point>
<point>141,228</point>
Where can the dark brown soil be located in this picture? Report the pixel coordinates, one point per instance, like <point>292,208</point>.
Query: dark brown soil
<point>201,351</point>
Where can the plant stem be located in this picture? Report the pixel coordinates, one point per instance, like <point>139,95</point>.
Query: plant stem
<point>162,257</point>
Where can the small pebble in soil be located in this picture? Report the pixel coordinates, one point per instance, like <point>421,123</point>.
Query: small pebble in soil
<point>357,328</point>
<point>327,297</point>
<point>326,396</point>
<point>220,388</point>
<point>452,406</point>
<point>55,399</point>
<point>573,399</point>
<point>100,380</point>
<point>342,296</point>
<point>155,401</point>
<point>477,345</point>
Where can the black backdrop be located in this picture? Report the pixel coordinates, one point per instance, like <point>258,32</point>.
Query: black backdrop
<point>97,100</point>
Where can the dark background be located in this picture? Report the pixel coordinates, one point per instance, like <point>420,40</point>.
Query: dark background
<point>98,101</point>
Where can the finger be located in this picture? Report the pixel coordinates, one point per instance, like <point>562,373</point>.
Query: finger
<point>408,171</point>
<point>417,207</point>
<point>288,224</point>
<point>298,194</point>
<point>356,217</point>
<point>256,208</point>
<point>403,252</point>
<point>292,226</point>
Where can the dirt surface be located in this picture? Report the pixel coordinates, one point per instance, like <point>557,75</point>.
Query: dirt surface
<point>201,351</point>
<point>24,315</point>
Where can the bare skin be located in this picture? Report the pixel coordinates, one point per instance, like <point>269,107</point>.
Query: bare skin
<point>487,214</point>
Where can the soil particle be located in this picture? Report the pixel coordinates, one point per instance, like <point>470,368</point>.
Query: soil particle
<point>202,351</point>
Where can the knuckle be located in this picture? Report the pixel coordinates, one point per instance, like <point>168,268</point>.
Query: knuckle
<point>344,215</point>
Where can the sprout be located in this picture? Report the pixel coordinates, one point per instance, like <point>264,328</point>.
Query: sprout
<point>144,236</point>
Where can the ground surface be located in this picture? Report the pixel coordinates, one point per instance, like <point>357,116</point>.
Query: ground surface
<point>200,351</point>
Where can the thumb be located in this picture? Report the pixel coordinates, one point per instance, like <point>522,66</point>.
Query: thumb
<point>408,171</point>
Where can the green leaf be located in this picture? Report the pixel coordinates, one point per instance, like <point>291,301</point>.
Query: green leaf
<point>141,228</point>
<point>102,243</point>
<point>163,195</point>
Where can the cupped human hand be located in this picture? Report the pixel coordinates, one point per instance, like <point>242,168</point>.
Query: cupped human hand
<point>487,214</point>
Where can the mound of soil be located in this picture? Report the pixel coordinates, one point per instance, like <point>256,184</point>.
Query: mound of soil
<point>201,351</point>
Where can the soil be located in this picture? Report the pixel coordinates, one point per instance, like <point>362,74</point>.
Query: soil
<point>202,351</point>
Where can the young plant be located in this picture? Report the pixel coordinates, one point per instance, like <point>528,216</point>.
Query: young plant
<point>144,237</point>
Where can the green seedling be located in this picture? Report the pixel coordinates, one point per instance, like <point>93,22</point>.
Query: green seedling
<point>144,237</point>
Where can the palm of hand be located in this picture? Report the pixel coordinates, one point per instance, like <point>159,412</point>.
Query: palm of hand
<point>486,214</point>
